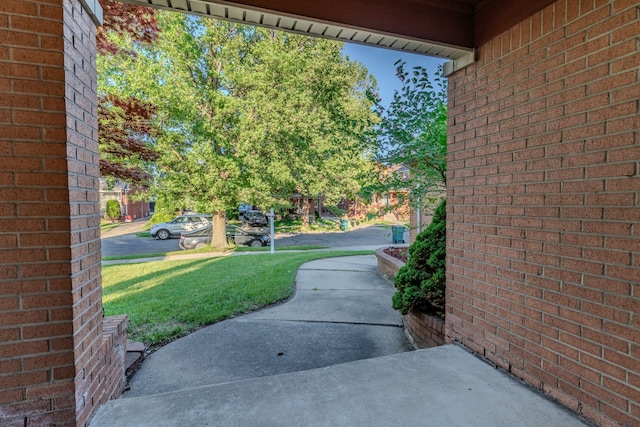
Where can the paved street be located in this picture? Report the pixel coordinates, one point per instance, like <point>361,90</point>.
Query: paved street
<point>123,240</point>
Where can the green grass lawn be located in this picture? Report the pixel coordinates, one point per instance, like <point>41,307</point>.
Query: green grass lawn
<point>168,299</point>
<point>214,251</point>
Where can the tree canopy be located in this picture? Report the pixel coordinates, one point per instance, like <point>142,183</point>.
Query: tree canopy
<point>413,132</point>
<point>245,114</point>
<point>124,122</point>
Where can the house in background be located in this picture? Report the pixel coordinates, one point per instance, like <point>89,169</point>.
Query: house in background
<point>392,205</point>
<point>394,201</point>
<point>130,207</point>
<point>395,205</point>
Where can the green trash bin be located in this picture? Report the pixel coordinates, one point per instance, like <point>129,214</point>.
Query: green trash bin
<point>344,224</point>
<point>397,233</point>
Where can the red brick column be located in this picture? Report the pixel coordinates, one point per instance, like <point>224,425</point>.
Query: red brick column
<point>50,289</point>
<point>544,206</point>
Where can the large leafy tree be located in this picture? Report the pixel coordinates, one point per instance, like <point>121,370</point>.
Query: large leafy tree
<point>413,132</point>
<point>309,112</point>
<point>249,114</point>
<point>138,24</point>
<point>189,74</point>
<point>125,132</point>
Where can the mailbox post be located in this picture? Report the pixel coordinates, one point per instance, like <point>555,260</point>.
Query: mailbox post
<point>272,235</point>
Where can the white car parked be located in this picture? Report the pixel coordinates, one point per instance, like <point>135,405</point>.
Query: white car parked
<point>180,224</point>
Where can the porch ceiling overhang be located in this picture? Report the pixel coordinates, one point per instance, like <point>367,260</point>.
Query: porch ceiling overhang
<point>448,29</point>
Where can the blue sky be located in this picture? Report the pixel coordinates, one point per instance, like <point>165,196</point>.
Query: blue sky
<point>380,62</point>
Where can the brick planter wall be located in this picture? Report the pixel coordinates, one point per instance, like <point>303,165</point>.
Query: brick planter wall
<point>388,266</point>
<point>423,330</point>
<point>114,348</point>
<point>543,206</point>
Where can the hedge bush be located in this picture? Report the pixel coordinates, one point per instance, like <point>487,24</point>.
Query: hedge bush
<point>112,210</point>
<point>420,283</point>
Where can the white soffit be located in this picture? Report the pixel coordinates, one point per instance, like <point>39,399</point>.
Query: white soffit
<point>459,58</point>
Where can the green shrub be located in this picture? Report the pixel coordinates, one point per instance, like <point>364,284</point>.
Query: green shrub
<point>157,218</point>
<point>112,210</point>
<point>420,283</point>
<point>163,212</point>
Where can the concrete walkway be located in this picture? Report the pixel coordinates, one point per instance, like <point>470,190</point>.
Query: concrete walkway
<point>334,355</point>
<point>341,312</point>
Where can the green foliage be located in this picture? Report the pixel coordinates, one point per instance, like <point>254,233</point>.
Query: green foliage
<point>112,210</point>
<point>164,211</point>
<point>413,132</point>
<point>336,211</point>
<point>296,225</point>
<point>421,281</point>
<point>246,114</point>
<point>125,134</point>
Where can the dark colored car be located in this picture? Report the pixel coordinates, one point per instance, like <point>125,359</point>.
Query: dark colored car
<point>254,219</point>
<point>239,236</point>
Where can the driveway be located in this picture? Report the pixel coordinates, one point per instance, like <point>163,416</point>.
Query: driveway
<point>123,240</point>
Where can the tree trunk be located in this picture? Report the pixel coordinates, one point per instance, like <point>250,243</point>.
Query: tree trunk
<point>219,237</point>
<point>305,211</point>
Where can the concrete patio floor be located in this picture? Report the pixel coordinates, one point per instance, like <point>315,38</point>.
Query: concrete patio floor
<point>334,355</point>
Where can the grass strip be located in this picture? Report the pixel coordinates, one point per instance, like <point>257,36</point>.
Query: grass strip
<point>279,248</point>
<point>123,257</point>
<point>169,299</point>
<point>208,249</point>
<point>106,226</point>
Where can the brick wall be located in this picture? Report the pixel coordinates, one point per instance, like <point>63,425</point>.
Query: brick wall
<point>425,331</point>
<point>52,351</point>
<point>544,206</point>
<point>36,329</point>
<point>83,160</point>
<point>388,266</point>
<point>136,208</point>
<point>114,338</point>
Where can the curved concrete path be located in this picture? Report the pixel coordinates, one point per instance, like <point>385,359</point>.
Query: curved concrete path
<point>341,312</point>
<point>258,370</point>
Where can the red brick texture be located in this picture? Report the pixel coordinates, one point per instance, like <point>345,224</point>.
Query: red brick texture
<point>543,238</point>
<point>83,160</point>
<point>114,336</point>
<point>53,360</point>
<point>388,266</point>
<point>425,331</point>
<point>37,366</point>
